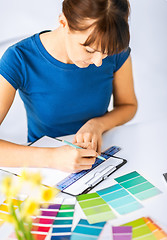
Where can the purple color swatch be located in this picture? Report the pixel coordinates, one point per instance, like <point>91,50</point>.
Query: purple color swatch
<point>122,233</point>
<point>49,213</point>
<point>54,206</point>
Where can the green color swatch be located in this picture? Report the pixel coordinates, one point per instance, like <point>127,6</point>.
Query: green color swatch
<point>119,199</point>
<point>95,208</point>
<point>61,228</point>
<point>86,231</point>
<point>140,230</point>
<point>138,185</point>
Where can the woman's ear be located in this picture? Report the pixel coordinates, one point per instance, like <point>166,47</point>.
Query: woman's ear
<point>63,21</point>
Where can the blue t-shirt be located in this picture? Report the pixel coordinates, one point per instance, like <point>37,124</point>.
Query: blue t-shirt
<point>59,98</point>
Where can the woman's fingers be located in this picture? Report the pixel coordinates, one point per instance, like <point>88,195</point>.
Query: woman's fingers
<point>99,143</point>
<point>87,145</point>
<point>83,137</point>
<point>84,167</point>
<point>88,153</point>
<point>87,137</point>
<point>79,138</point>
<point>94,143</point>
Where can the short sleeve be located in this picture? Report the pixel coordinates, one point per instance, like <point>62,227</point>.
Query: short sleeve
<point>120,58</point>
<point>12,67</point>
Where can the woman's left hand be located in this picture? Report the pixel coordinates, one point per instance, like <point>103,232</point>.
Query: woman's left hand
<point>90,132</point>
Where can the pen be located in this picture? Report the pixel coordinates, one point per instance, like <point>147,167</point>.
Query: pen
<point>165,176</point>
<point>73,145</point>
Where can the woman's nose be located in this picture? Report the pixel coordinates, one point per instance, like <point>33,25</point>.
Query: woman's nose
<point>97,59</point>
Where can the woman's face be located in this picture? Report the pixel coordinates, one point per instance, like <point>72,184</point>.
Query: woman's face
<point>82,56</point>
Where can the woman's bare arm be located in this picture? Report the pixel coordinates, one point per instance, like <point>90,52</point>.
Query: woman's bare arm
<point>65,158</point>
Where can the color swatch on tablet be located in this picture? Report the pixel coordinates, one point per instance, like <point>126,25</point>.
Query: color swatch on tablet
<point>86,231</point>
<point>122,233</point>
<point>95,208</point>
<point>138,185</point>
<point>119,199</point>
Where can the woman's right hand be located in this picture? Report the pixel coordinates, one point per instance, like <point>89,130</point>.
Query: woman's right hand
<point>70,159</point>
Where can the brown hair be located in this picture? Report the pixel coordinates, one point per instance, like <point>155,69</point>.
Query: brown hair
<point>111,29</point>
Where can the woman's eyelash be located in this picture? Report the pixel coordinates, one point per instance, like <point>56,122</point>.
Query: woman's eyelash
<point>88,51</point>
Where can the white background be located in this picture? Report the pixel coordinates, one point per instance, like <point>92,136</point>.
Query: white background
<point>144,138</point>
<point>148,26</point>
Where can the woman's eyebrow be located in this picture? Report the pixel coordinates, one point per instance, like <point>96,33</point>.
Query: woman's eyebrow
<point>93,50</point>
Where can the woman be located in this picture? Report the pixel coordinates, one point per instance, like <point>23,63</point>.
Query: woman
<point>65,78</point>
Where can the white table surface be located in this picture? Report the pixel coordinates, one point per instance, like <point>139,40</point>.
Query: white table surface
<point>144,147</point>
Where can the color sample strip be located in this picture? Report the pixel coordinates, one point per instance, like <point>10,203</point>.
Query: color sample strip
<point>138,185</point>
<point>43,223</point>
<point>95,208</point>
<point>86,231</point>
<point>4,212</point>
<point>4,209</point>
<point>119,199</point>
<point>140,230</point>
<point>61,228</point>
<point>122,233</point>
<point>157,231</point>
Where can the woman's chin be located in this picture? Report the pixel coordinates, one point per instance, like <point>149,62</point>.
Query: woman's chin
<point>82,64</point>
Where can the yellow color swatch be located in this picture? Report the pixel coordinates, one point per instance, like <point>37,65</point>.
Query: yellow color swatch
<point>157,231</point>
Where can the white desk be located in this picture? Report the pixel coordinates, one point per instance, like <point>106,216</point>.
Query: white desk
<point>143,145</point>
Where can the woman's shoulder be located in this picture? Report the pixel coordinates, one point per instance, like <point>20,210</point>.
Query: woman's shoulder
<point>26,43</point>
<point>118,59</point>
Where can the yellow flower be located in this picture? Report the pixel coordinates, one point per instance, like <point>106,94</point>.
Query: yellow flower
<point>6,185</point>
<point>48,193</point>
<point>34,178</point>
<point>25,176</point>
<point>9,218</point>
<point>10,187</point>
<point>29,208</point>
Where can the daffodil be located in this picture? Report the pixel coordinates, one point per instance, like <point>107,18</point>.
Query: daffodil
<point>8,218</point>
<point>6,185</point>
<point>25,176</point>
<point>48,193</point>
<point>9,187</point>
<point>29,208</point>
<point>34,178</point>
<point>21,212</point>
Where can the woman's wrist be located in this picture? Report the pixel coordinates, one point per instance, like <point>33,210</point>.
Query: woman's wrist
<point>98,123</point>
<point>41,157</point>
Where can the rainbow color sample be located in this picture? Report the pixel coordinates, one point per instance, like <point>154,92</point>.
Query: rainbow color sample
<point>86,231</point>
<point>4,209</point>
<point>43,223</point>
<point>138,185</point>
<point>61,228</point>
<point>95,208</point>
<point>119,199</point>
